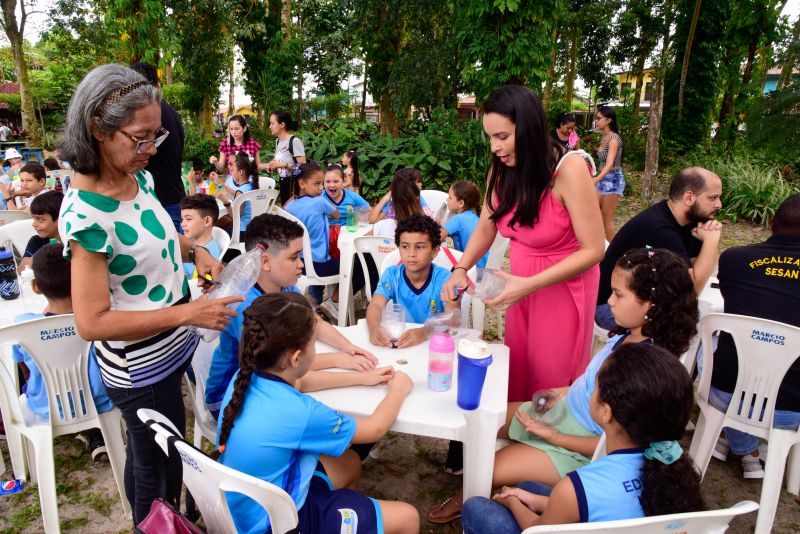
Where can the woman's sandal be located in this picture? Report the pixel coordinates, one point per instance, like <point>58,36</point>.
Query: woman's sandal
<point>449,510</point>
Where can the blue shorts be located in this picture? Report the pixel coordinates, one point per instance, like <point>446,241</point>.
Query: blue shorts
<point>330,511</point>
<point>612,183</point>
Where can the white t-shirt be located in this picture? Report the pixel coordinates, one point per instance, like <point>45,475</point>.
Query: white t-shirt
<point>283,155</point>
<point>4,131</point>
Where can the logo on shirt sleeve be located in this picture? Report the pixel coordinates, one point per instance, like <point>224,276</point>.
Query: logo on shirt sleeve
<point>338,424</point>
<point>349,521</point>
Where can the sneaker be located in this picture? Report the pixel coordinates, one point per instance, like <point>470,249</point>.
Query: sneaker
<point>84,441</point>
<point>97,446</point>
<point>721,449</point>
<point>752,467</point>
<point>454,464</point>
<point>330,308</point>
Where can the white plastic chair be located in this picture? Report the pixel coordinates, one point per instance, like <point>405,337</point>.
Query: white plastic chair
<point>9,216</point>
<point>222,239</point>
<point>208,481</point>
<point>762,367</point>
<point>63,360</point>
<point>266,182</point>
<point>708,522</point>
<point>205,426</point>
<point>17,233</point>
<point>434,199</point>
<point>497,254</point>
<point>379,248</point>
<point>261,201</point>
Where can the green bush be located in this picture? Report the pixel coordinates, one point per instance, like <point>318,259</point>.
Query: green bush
<point>196,143</point>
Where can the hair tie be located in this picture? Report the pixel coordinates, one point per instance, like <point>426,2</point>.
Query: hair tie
<point>221,449</point>
<point>666,452</point>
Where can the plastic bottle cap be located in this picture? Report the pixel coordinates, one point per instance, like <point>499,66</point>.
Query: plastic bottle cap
<point>442,343</point>
<point>477,350</point>
<point>27,272</point>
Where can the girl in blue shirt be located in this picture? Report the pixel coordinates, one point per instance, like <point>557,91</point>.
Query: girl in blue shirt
<point>464,200</point>
<point>245,178</point>
<point>642,401</point>
<point>653,301</point>
<point>272,431</point>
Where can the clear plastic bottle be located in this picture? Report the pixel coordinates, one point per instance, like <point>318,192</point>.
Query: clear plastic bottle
<point>238,277</point>
<point>352,219</point>
<point>26,287</point>
<point>546,408</point>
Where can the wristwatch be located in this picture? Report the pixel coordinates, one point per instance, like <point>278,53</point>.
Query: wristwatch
<point>191,252</point>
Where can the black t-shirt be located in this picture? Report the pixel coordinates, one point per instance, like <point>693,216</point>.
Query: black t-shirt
<point>761,280</point>
<point>34,244</point>
<point>558,140</point>
<point>165,166</point>
<point>655,227</point>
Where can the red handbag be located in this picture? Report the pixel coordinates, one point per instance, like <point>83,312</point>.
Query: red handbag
<point>164,519</point>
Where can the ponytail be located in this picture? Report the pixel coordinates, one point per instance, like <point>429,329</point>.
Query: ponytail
<point>244,162</point>
<point>469,194</point>
<point>353,155</point>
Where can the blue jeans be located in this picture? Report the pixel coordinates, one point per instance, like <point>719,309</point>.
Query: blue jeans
<point>174,211</point>
<point>603,317</point>
<point>480,515</point>
<point>742,443</point>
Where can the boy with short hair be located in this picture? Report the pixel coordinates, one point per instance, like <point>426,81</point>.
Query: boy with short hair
<point>44,211</point>
<point>416,284</point>
<point>52,278</point>
<point>199,213</point>
<point>33,178</point>
<point>281,267</point>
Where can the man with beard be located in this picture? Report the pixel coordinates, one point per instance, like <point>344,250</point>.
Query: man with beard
<point>684,224</point>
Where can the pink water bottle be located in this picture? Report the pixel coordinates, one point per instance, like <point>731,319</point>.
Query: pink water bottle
<point>441,350</point>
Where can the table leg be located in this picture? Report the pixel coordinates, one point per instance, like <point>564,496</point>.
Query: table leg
<point>346,254</point>
<point>479,449</point>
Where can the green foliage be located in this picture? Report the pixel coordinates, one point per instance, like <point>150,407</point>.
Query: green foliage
<point>633,131</point>
<point>175,95</point>
<point>197,144</point>
<point>595,22</point>
<point>12,100</point>
<point>773,126</point>
<point>136,24</point>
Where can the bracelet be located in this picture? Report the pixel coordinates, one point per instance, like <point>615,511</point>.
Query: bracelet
<point>458,267</point>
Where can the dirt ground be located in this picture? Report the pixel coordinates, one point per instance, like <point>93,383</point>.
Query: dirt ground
<point>410,468</point>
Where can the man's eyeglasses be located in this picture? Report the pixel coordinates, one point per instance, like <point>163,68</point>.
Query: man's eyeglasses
<point>143,146</point>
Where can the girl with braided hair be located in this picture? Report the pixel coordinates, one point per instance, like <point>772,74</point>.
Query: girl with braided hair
<point>274,432</point>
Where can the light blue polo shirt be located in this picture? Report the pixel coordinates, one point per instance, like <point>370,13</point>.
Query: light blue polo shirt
<point>349,199</point>
<point>460,228</point>
<point>609,488</point>
<point>314,212</point>
<point>278,437</point>
<point>247,213</point>
<point>212,247</point>
<point>420,303</point>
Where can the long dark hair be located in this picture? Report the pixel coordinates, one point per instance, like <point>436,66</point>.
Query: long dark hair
<point>659,276</point>
<point>303,172</point>
<point>353,155</point>
<point>285,118</point>
<point>405,194</point>
<point>609,113</point>
<point>565,118</point>
<point>520,188</point>
<point>651,397</point>
<point>243,124</point>
<point>245,163</point>
<point>274,325</point>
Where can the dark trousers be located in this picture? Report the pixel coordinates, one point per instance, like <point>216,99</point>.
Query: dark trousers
<point>149,473</point>
<point>174,211</point>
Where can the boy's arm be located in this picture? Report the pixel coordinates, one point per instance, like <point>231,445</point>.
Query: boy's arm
<point>374,312</point>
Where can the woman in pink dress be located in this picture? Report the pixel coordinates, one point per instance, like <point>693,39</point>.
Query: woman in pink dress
<point>548,209</point>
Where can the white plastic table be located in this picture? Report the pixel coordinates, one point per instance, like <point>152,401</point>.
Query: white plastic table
<point>427,413</point>
<point>347,257</point>
<point>710,299</point>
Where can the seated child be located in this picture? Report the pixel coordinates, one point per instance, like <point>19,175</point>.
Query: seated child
<point>642,401</point>
<point>281,267</point>
<point>245,179</point>
<point>194,178</point>
<point>653,300</point>
<point>464,200</point>
<point>33,179</point>
<point>52,274</point>
<point>339,196</point>
<point>402,201</point>
<point>199,213</point>
<point>416,284</point>
<point>44,211</point>
<point>272,431</point>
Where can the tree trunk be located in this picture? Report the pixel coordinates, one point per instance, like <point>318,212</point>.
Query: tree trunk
<point>168,72</point>
<point>573,58</point>
<point>363,114</point>
<point>14,33</point>
<point>231,86</point>
<point>639,70</point>
<point>687,55</point>
<point>787,74</point>
<point>286,20</point>
<point>299,96</point>
<point>205,115</point>
<point>389,124</point>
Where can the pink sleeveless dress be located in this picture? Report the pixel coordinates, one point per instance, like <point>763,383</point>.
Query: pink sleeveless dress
<point>549,332</point>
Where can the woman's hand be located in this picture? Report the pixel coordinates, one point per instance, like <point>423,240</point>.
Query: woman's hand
<point>206,263</point>
<point>537,428</point>
<point>516,289</point>
<point>457,280</point>
<point>378,376</point>
<point>213,314</point>
<point>353,350</point>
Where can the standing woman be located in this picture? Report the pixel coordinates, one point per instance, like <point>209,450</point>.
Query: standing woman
<point>288,151</point>
<point>549,211</point>
<point>352,178</point>
<point>609,181</point>
<point>238,141</point>
<point>129,291</point>
<point>564,130</point>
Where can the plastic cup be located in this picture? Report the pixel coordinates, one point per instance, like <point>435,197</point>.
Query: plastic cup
<point>488,284</point>
<point>474,357</point>
<point>393,322</point>
<point>363,216</point>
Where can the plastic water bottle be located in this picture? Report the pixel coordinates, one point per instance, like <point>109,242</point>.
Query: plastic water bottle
<point>9,286</point>
<point>352,219</point>
<point>28,296</point>
<point>489,284</point>
<point>238,277</point>
<point>546,408</point>
<point>441,350</point>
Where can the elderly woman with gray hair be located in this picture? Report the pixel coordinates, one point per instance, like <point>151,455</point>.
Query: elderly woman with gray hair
<point>129,292</point>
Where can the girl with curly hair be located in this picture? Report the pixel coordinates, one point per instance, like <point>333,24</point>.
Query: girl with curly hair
<point>642,401</point>
<point>653,301</point>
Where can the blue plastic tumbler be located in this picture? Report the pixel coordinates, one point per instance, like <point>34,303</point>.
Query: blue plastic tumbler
<point>474,357</point>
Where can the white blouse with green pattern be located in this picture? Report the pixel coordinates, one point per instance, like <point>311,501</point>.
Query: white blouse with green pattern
<point>144,273</point>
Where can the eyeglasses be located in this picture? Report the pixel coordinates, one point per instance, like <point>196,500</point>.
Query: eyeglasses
<point>143,146</point>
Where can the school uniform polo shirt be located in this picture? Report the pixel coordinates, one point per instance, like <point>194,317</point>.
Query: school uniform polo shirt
<point>460,227</point>
<point>419,303</point>
<point>609,489</point>
<point>348,199</point>
<point>314,212</point>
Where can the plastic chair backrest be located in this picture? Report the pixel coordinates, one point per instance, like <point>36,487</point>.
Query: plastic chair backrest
<point>434,199</point>
<point>261,201</point>
<point>9,216</point>
<point>201,363</point>
<point>208,481</point>
<point>310,272</point>
<point>266,182</point>
<point>708,522</point>
<point>222,238</point>
<point>497,254</point>
<point>62,358</point>
<point>18,233</point>
<point>766,350</point>
<point>379,248</point>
